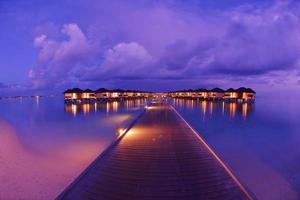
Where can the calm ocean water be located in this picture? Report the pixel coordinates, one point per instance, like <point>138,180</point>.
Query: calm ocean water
<point>259,142</point>
<point>45,144</point>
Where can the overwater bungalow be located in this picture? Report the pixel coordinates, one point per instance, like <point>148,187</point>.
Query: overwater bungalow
<point>189,93</point>
<point>201,93</point>
<point>143,94</point>
<point>138,94</point>
<point>216,94</point>
<point>242,94</point>
<point>171,94</point>
<point>230,95</point>
<point>180,93</point>
<point>193,94</point>
<point>88,94</point>
<point>245,94</point>
<point>116,94</point>
<point>148,94</point>
<point>73,94</point>
<point>102,93</point>
<point>128,94</point>
<point>185,93</point>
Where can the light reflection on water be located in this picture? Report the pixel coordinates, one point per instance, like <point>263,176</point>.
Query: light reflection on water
<point>259,142</point>
<point>210,108</point>
<point>106,107</point>
<point>45,144</point>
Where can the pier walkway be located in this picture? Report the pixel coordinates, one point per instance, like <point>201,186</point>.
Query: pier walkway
<point>160,157</point>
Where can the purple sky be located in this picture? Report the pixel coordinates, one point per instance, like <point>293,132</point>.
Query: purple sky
<point>47,46</point>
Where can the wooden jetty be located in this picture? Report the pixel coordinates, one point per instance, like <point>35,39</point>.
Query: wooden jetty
<point>159,157</point>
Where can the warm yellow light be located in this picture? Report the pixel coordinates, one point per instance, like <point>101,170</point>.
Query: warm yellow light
<point>86,108</point>
<point>95,106</point>
<point>74,110</point>
<point>115,106</point>
<point>232,110</point>
<point>244,110</point>
<point>223,107</point>
<point>107,107</point>
<point>115,94</point>
<point>73,95</point>
<point>204,106</point>
<point>120,131</point>
<point>211,108</point>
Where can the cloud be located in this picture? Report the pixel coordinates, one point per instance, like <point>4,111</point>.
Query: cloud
<point>257,41</point>
<point>163,41</point>
<point>254,41</point>
<point>57,59</point>
<point>125,60</point>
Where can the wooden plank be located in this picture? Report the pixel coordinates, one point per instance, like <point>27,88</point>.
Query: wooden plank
<point>160,157</point>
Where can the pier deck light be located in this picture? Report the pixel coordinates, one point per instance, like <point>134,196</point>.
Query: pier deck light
<point>121,131</point>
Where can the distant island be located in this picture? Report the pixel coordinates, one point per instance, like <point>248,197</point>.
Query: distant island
<point>241,94</point>
<point>21,97</point>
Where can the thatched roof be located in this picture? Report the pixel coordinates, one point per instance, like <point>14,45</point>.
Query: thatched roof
<point>74,90</point>
<point>243,89</point>
<point>88,90</point>
<point>68,91</point>
<point>117,90</point>
<point>217,90</point>
<point>201,90</point>
<point>230,90</point>
<point>100,90</point>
